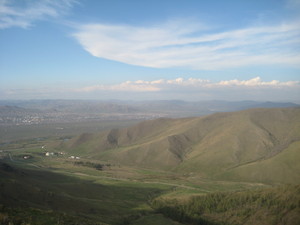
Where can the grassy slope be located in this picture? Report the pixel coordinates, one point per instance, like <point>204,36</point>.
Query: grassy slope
<point>144,144</point>
<point>54,190</point>
<point>280,205</point>
<point>212,145</point>
<point>282,168</point>
<point>248,137</point>
<point>57,196</point>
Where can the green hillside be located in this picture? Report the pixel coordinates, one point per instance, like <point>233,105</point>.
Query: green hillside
<point>274,206</point>
<point>253,145</point>
<point>40,196</point>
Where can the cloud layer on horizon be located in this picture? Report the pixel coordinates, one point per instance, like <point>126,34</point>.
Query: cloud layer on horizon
<point>191,84</point>
<point>192,89</point>
<point>184,45</point>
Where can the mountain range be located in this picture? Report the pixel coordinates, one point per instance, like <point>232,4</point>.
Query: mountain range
<point>254,145</point>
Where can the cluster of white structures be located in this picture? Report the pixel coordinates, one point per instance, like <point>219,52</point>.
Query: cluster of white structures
<point>74,157</point>
<point>54,153</point>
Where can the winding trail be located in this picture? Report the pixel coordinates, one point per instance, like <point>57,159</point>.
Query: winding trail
<point>139,181</point>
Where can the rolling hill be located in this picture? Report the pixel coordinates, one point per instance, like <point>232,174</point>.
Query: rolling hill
<point>261,145</point>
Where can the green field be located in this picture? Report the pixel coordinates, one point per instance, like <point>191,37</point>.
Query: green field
<point>10,133</point>
<point>46,190</point>
<point>60,190</point>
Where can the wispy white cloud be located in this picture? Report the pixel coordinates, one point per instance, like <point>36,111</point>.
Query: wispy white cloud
<point>184,45</point>
<point>194,84</point>
<point>24,13</point>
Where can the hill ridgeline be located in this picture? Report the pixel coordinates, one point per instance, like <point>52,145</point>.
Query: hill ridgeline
<point>261,145</point>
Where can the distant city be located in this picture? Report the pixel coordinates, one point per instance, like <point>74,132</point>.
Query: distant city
<point>69,111</point>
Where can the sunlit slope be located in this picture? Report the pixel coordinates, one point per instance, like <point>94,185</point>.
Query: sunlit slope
<point>282,168</point>
<point>226,145</point>
<point>147,144</point>
<point>241,138</point>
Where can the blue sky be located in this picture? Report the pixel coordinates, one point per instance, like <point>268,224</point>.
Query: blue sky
<point>130,49</point>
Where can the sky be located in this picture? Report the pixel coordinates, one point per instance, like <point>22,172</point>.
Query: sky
<point>150,50</point>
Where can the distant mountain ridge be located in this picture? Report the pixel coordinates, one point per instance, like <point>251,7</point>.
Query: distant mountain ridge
<point>93,109</point>
<point>8,110</point>
<point>261,145</point>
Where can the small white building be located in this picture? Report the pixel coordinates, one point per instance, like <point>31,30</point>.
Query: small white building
<point>49,153</point>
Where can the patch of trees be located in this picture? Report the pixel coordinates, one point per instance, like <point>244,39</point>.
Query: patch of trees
<point>96,166</point>
<point>277,205</point>
<point>129,219</point>
<point>177,211</point>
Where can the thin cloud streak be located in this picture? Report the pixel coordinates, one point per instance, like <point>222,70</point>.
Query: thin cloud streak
<point>192,89</point>
<point>166,46</point>
<point>25,16</point>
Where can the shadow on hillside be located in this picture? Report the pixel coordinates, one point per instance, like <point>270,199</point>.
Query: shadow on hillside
<point>26,189</point>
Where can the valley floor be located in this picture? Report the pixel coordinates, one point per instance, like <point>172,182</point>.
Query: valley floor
<point>60,189</point>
